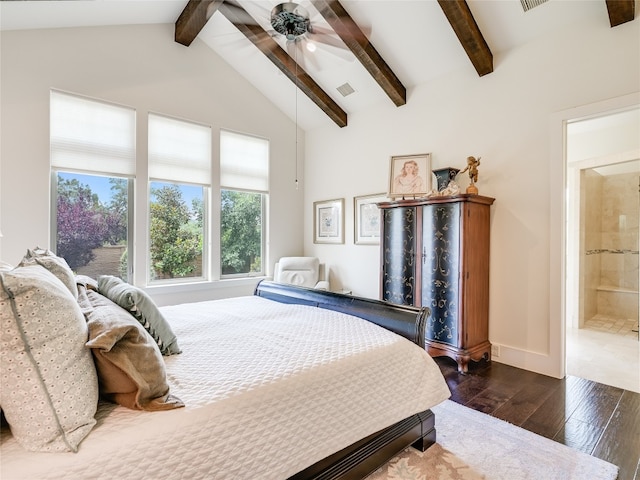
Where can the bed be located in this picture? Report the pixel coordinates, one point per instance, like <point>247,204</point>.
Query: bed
<point>288,383</point>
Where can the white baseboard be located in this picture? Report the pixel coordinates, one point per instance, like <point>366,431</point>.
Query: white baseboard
<point>536,362</point>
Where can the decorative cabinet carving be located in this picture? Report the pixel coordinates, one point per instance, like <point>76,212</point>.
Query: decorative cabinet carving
<point>435,253</point>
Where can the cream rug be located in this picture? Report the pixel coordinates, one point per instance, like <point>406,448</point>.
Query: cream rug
<point>472,445</point>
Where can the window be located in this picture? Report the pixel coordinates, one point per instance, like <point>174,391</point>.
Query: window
<point>93,164</point>
<point>93,167</point>
<point>180,175</point>
<point>244,182</point>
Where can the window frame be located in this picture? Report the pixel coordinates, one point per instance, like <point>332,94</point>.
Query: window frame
<point>64,147</point>
<point>206,268</point>
<point>130,209</point>
<point>206,200</point>
<point>264,198</point>
<point>264,193</point>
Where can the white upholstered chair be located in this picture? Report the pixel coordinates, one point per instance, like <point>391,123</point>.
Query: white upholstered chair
<point>302,271</point>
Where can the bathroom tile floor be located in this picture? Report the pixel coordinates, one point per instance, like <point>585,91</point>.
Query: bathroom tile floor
<point>620,326</point>
<point>604,357</point>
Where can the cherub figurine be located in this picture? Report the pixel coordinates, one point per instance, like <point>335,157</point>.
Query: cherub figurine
<point>472,167</point>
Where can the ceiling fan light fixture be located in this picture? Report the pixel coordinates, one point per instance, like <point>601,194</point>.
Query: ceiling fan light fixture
<point>290,20</point>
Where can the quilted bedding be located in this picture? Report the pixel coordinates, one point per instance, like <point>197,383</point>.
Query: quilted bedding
<point>269,389</point>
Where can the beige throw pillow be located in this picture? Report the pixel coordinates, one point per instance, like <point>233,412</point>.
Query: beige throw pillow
<point>130,366</point>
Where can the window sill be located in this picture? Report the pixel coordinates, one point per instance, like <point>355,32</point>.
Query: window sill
<point>202,285</point>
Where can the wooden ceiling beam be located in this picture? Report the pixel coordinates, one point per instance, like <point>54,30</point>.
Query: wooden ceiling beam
<point>342,23</point>
<point>467,31</point>
<point>193,19</point>
<point>272,50</point>
<point>620,11</point>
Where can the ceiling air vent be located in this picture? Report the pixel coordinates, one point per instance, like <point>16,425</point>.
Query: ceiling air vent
<point>345,89</point>
<point>529,4</point>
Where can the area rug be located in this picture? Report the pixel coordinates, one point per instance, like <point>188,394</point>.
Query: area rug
<point>471,445</point>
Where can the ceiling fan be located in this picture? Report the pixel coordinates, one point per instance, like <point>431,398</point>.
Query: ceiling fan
<point>291,23</point>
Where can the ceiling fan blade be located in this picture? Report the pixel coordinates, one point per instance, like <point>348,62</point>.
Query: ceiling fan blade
<point>257,10</point>
<point>266,43</point>
<point>329,31</point>
<point>327,39</point>
<point>240,13</point>
<point>307,53</point>
<point>294,51</point>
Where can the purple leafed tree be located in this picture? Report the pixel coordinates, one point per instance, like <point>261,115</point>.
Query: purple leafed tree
<point>82,226</point>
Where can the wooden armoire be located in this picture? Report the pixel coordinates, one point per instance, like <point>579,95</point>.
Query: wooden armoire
<point>435,253</point>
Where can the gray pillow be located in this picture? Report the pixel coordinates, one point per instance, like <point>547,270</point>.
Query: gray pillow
<point>48,381</point>
<point>140,305</point>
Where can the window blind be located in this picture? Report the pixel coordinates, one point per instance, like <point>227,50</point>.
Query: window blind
<point>244,162</point>
<point>92,135</point>
<point>179,151</point>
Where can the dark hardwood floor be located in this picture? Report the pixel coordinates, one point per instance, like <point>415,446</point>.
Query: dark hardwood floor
<point>597,419</point>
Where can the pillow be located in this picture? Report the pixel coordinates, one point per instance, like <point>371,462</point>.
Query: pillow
<point>88,282</point>
<point>4,266</point>
<point>56,265</point>
<point>130,367</point>
<point>48,381</point>
<point>142,307</point>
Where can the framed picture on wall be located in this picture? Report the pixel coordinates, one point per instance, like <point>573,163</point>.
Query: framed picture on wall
<point>410,175</point>
<point>366,219</point>
<point>328,221</point>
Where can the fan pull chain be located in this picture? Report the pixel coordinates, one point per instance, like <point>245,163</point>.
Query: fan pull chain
<point>295,59</point>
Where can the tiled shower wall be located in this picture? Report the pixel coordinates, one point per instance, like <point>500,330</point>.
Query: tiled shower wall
<point>610,227</point>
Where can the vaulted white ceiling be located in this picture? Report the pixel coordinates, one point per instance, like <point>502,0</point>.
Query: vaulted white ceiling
<point>413,37</point>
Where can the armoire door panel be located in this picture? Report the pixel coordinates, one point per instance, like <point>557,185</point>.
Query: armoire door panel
<point>398,255</point>
<point>440,270</point>
<point>475,291</point>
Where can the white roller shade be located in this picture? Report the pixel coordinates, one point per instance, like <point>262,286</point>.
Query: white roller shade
<point>92,135</point>
<point>179,151</point>
<point>244,162</point>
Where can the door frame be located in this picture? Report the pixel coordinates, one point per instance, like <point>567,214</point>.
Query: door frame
<point>557,219</point>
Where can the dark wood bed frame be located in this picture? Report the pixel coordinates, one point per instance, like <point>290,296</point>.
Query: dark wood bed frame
<point>365,456</point>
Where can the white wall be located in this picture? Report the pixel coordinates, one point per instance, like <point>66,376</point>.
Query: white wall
<point>505,118</point>
<point>141,67</point>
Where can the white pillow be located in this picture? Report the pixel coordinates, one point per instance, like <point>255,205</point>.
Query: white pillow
<point>4,266</point>
<point>56,265</point>
<point>48,381</point>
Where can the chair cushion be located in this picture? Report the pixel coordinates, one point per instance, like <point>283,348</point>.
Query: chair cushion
<point>302,271</point>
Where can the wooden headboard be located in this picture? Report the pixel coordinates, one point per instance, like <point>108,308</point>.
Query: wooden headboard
<point>401,319</point>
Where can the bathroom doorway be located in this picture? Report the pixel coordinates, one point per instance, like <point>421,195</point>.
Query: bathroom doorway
<point>602,243</point>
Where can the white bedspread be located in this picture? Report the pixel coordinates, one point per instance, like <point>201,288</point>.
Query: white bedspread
<point>270,389</point>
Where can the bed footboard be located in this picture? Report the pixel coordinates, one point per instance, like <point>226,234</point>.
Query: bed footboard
<point>401,319</point>
<point>366,456</point>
